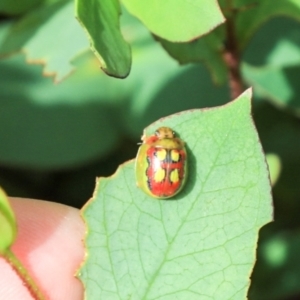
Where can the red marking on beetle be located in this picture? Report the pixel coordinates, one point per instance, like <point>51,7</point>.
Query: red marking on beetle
<point>165,187</point>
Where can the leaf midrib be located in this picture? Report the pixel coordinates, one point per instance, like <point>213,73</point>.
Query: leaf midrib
<point>170,244</point>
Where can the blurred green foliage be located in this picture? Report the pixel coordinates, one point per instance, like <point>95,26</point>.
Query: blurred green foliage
<point>63,121</point>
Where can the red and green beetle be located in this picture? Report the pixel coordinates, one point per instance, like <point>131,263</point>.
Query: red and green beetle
<point>161,164</point>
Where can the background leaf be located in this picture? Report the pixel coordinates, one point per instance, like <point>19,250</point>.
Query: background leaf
<point>177,20</point>
<point>100,19</point>
<point>207,49</point>
<point>272,62</point>
<point>252,15</point>
<point>88,115</point>
<point>71,129</point>
<point>17,6</point>
<point>41,35</point>
<point>196,244</point>
<point>274,164</point>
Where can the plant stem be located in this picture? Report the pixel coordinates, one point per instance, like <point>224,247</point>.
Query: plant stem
<point>24,275</point>
<point>231,56</point>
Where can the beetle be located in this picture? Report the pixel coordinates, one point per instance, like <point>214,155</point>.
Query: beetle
<point>161,164</point>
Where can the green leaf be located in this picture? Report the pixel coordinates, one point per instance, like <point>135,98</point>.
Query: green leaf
<point>253,14</point>
<point>177,20</point>
<point>274,164</point>
<point>273,83</point>
<point>8,227</point>
<point>202,243</point>
<point>100,19</point>
<point>45,41</point>
<point>272,63</point>
<point>207,49</point>
<point>47,126</point>
<point>16,7</point>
